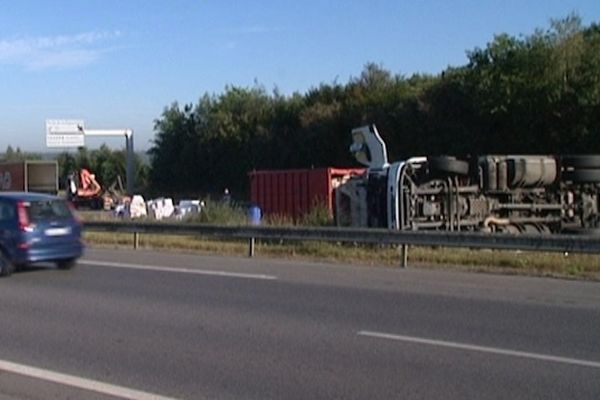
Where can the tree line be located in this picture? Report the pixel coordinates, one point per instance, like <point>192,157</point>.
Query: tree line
<point>529,94</point>
<point>538,93</point>
<point>108,165</point>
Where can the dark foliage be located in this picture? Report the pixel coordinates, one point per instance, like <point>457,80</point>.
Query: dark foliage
<point>533,94</point>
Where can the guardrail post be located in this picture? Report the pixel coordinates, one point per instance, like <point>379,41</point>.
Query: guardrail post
<point>251,247</point>
<point>589,244</point>
<point>404,255</point>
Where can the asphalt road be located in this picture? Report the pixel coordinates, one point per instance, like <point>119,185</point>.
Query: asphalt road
<point>136,324</point>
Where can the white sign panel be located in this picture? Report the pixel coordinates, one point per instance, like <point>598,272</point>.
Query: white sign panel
<point>64,133</point>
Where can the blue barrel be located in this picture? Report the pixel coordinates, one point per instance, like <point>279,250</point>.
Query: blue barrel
<point>255,215</point>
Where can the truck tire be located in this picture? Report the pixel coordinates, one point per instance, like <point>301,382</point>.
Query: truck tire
<point>582,176</point>
<point>448,165</point>
<point>581,161</point>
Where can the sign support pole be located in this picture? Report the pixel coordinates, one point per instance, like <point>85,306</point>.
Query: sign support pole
<point>72,132</point>
<point>130,168</point>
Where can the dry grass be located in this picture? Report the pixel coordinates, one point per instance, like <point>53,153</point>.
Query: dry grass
<point>579,266</point>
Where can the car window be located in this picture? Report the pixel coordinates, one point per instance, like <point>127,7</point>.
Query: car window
<point>7,211</point>
<point>47,209</point>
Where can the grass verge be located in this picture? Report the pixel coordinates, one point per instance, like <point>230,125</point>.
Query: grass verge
<point>573,266</point>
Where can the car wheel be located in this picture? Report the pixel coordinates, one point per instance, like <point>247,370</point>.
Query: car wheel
<point>6,266</point>
<point>66,264</point>
<point>448,165</point>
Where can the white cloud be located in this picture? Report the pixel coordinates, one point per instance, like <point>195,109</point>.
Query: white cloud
<point>61,51</point>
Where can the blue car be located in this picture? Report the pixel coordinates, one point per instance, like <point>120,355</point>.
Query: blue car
<point>36,228</point>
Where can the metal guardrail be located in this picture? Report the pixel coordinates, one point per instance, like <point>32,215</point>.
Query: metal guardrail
<point>551,243</point>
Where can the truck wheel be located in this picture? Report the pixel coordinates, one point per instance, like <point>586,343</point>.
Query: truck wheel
<point>531,228</point>
<point>448,165</point>
<point>581,161</point>
<point>582,176</point>
<point>6,266</point>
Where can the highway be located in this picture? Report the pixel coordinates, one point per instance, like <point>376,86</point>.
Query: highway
<point>167,325</point>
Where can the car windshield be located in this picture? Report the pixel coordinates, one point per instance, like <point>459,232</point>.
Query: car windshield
<point>41,210</point>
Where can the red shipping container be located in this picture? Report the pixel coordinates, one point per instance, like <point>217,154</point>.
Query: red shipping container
<point>293,193</point>
<point>29,176</point>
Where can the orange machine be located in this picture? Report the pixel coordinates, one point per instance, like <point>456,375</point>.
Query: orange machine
<point>84,190</point>
<point>89,186</point>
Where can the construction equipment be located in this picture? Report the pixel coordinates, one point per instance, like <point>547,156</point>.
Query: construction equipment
<point>84,191</point>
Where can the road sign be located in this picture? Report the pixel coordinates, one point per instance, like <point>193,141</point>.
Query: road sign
<point>65,133</point>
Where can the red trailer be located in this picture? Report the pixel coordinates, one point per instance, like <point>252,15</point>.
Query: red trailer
<point>293,193</point>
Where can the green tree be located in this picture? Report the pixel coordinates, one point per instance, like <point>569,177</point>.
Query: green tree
<point>538,93</point>
<point>106,164</point>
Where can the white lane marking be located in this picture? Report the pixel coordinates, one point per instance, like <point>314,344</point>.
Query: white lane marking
<point>176,269</point>
<point>80,383</point>
<point>483,349</point>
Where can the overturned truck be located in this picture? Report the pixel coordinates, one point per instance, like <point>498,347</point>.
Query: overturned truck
<point>492,193</point>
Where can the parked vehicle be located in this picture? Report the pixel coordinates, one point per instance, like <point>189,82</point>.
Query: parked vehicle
<point>187,208</point>
<point>492,193</point>
<point>29,176</point>
<point>37,228</point>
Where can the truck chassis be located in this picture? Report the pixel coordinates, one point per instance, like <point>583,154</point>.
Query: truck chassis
<point>491,193</point>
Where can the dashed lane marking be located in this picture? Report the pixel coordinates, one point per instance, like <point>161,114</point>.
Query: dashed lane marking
<point>482,349</point>
<point>177,269</point>
<point>77,382</point>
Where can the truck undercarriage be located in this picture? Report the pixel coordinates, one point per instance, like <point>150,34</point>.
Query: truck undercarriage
<point>492,193</point>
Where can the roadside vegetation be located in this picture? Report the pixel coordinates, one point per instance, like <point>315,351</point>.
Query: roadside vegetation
<point>530,94</point>
<point>576,266</point>
<point>526,94</point>
<point>573,266</point>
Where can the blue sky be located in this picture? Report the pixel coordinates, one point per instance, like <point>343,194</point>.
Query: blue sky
<point>118,64</point>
